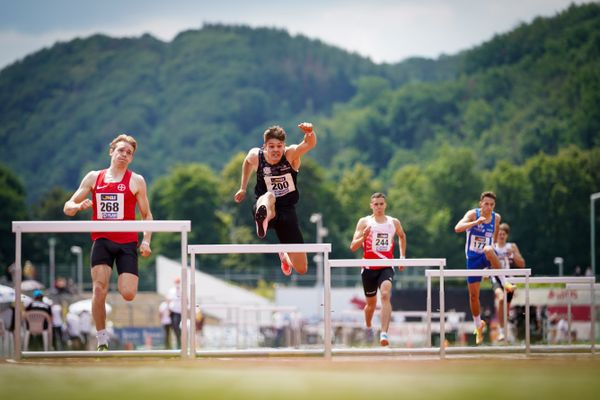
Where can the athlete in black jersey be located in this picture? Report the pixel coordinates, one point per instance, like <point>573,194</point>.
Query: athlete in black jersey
<point>276,190</point>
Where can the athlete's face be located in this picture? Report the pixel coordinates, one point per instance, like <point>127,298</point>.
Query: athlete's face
<point>378,206</point>
<point>502,236</point>
<point>487,206</point>
<point>275,150</point>
<point>122,154</point>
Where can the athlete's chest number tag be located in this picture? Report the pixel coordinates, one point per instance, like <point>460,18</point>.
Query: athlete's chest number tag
<point>382,242</point>
<point>477,244</point>
<point>280,185</point>
<point>109,206</point>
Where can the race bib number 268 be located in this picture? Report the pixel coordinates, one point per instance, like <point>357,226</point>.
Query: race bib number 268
<point>109,206</point>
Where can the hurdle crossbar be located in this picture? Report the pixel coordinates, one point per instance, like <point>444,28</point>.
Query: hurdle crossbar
<point>389,262</point>
<point>258,248</point>
<point>432,273</point>
<point>193,249</point>
<point>20,227</point>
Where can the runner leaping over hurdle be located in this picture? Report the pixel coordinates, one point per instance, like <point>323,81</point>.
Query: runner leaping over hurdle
<point>276,191</point>
<point>481,225</point>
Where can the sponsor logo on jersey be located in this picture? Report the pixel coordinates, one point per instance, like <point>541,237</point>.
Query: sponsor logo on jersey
<point>108,197</point>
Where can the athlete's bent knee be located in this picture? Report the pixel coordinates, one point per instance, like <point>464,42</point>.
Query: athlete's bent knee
<point>99,290</point>
<point>128,294</point>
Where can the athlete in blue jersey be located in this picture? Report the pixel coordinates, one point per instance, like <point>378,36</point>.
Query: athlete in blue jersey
<point>481,225</point>
<point>276,190</point>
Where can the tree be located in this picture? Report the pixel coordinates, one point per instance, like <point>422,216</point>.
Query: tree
<point>188,192</point>
<point>12,208</point>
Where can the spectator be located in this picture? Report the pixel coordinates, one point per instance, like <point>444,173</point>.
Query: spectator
<point>38,304</point>
<point>74,331</point>
<point>85,327</point>
<point>174,299</point>
<point>57,327</point>
<point>165,320</point>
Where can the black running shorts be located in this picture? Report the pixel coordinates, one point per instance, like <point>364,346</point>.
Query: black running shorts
<point>285,224</point>
<point>373,278</point>
<point>106,251</point>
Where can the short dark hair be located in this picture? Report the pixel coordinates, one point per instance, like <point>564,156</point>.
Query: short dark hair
<point>377,195</point>
<point>274,132</point>
<point>488,194</point>
<point>504,227</point>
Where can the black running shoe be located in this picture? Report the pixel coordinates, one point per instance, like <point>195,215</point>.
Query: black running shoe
<point>261,220</point>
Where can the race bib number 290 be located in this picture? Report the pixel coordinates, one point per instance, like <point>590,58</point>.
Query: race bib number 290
<point>109,206</point>
<point>280,185</point>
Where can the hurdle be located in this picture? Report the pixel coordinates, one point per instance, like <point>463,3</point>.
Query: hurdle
<point>193,249</point>
<point>20,227</point>
<point>571,283</point>
<point>433,273</point>
<point>389,262</point>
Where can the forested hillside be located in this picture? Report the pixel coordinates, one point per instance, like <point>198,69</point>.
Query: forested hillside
<point>519,114</point>
<point>202,97</point>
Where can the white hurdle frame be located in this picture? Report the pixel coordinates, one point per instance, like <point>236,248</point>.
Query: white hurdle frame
<point>431,273</point>
<point>363,262</point>
<point>571,283</point>
<point>20,227</point>
<point>194,249</point>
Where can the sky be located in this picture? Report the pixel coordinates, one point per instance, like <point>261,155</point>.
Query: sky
<point>383,30</point>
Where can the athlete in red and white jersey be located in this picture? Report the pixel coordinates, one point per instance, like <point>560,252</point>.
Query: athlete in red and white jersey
<point>115,193</point>
<point>380,242</point>
<point>375,234</point>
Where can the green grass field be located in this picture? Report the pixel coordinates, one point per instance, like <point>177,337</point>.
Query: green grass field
<point>465,377</point>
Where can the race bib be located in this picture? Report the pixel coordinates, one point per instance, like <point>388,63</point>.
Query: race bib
<point>109,206</point>
<point>477,244</point>
<point>382,242</point>
<point>280,185</point>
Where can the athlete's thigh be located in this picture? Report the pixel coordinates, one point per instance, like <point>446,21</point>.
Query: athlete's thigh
<point>286,226</point>
<point>103,252</point>
<point>370,282</point>
<point>386,277</point>
<point>101,274</point>
<point>477,262</point>
<point>128,283</point>
<point>127,258</point>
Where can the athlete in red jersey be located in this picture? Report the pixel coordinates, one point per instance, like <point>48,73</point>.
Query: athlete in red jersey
<point>115,192</point>
<point>375,234</point>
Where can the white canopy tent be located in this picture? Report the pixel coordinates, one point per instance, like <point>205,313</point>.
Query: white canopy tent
<point>209,290</point>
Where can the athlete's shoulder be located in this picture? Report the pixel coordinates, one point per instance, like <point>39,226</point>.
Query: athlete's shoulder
<point>91,177</point>
<point>137,177</point>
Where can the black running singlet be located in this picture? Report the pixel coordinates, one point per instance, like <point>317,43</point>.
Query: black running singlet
<point>279,179</point>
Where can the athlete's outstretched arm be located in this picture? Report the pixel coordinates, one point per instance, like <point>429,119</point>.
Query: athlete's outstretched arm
<point>250,164</point>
